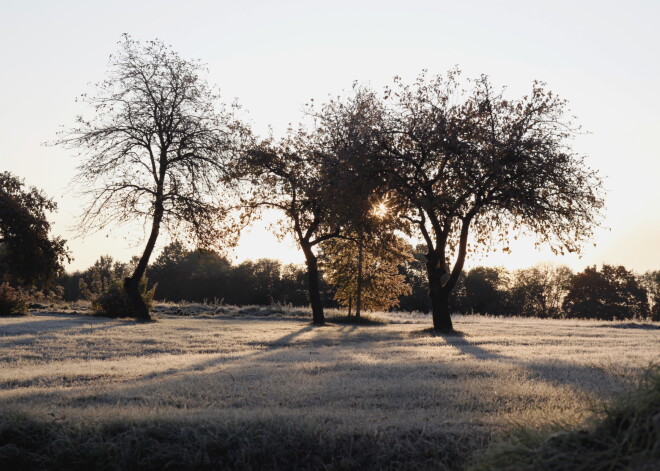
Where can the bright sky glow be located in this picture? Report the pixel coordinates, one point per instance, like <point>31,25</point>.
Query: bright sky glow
<point>603,56</point>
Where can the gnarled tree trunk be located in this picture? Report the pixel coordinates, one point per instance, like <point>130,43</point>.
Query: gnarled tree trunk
<point>132,283</point>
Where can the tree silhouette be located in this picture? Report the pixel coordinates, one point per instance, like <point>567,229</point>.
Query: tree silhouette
<point>538,291</point>
<point>486,290</point>
<point>28,254</point>
<point>651,282</point>
<point>477,166</point>
<point>155,150</point>
<point>613,293</point>
<point>318,180</point>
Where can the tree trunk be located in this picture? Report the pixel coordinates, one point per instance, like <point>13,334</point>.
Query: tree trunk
<point>439,295</point>
<point>441,316</point>
<point>313,284</point>
<point>132,283</point>
<point>358,301</point>
<point>350,306</point>
<point>132,288</point>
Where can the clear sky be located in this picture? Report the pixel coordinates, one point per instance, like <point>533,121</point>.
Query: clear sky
<point>603,56</point>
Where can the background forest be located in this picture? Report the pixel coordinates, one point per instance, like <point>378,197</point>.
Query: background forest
<point>546,291</point>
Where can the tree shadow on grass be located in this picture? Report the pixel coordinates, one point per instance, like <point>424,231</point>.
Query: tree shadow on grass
<point>458,340</point>
<point>557,373</point>
<point>630,325</point>
<point>57,322</point>
<point>280,343</point>
<point>582,377</point>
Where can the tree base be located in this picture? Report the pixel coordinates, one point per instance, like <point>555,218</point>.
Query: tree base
<point>140,309</point>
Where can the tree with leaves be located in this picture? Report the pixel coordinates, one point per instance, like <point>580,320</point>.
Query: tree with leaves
<point>538,291</point>
<point>611,293</point>
<point>467,170</point>
<point>651,282</point>
<point>28,253</point>
<point>101,275</point>
<point>486,290</point>
<point>375,285</point>
<point>318,180</point>
<point>155,150</point>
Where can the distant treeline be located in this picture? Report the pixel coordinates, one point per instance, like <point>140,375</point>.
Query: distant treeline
<point>550,291</point>
<point>201,276</point>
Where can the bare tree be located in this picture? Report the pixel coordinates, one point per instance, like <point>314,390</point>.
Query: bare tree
<point>477,166</point>
<point>155,149</point>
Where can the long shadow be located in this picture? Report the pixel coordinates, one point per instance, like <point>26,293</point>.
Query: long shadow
<point>286,340</point>
<point>54,322</point>
<point>30,331</point>
<point>630,325</point>
<point>553,372</point>
<point>277,344</point>
<point>270,347</point>
<point>459,342</point>
<point>574,375</point>
<point>108,324</point>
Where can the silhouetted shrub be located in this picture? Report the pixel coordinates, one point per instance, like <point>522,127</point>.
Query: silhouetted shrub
<point>114,302</point>
<point>12,301</point>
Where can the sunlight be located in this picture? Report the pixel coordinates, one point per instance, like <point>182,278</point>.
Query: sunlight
<point>380,210</point>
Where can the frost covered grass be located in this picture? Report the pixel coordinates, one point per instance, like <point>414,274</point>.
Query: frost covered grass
<point>254,387</point>
<point>624,434</point>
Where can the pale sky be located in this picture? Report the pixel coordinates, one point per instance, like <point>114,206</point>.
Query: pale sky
<point>273,56</point>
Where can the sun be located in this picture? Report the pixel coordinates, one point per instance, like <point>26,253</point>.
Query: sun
<point>380,210</point>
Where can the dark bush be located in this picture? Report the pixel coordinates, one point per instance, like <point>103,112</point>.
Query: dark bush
<point>114,302</point>
<point>12,301</point>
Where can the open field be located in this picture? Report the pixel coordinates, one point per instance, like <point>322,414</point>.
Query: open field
<point>271,380</point>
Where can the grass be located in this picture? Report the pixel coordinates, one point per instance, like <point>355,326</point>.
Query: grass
<point>205,443</point>
<point>265,389</point>
<point>623,434</point>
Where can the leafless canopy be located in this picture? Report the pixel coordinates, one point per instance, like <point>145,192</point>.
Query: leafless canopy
<point>157,146</point>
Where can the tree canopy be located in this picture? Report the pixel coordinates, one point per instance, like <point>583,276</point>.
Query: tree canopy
<point>318,180</point>
<point>155,150</point>
<point>467,170</point>
<point>28,253</point>
<point>378,282</point>
<point>611,293</point>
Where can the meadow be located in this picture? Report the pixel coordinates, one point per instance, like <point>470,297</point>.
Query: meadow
<point>254,388</point>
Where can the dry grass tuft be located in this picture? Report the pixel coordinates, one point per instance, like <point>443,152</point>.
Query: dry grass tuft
<point>623,434</point>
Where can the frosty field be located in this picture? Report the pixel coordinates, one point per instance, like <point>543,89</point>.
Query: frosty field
<point>275,377</point>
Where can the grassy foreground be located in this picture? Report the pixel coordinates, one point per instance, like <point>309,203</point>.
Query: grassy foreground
<point>623,434</point>
<point>211,444</point>
<point>248,390</point>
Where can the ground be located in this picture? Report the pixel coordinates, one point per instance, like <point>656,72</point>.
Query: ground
<point>244,367</point>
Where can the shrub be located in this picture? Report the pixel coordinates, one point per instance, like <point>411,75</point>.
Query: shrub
<point>624,435</point>
<point>114,302</point>
<point>12,301</point>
